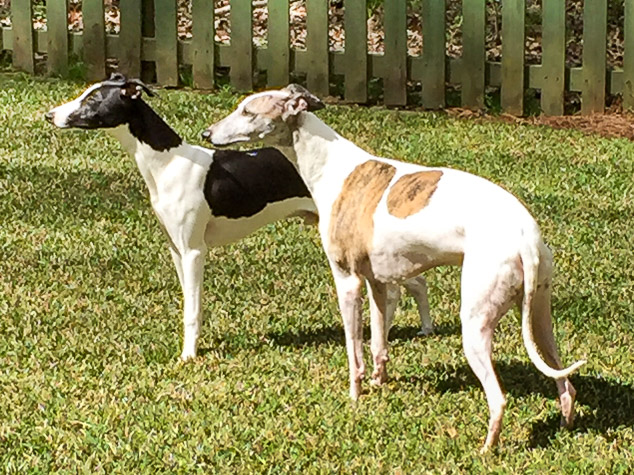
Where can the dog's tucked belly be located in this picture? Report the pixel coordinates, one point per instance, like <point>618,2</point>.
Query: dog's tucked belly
<point>393,268</point>
<point>222,230</point>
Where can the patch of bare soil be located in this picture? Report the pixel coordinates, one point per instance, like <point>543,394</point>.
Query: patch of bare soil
<point>615,123</point>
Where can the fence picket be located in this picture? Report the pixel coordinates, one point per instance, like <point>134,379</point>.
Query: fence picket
<point>94,37</point>
<point>513,38</point>
<point>595,24</point>
<point>22,26</point>
<point>203,43</point>
<point>317,47</point>
<point>130,38</point>
<point>166,42</point>
<point>356,51</point>
<point>242,45</point>
<point>628,56</point>
<point>395,79</point>
<point>433,74</point>
<point>553,56</point>
<point>279,61</point>
<point>473,53</point>
<point>57,35</point>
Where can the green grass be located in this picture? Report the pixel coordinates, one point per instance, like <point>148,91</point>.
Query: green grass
<point>90,314</point>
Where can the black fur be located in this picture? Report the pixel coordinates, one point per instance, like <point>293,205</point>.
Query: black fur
<point>240,184</point>
<point>108,107</point>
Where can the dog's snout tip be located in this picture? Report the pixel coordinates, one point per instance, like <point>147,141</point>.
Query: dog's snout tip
<point>206,134</point>
<point>49,116</point>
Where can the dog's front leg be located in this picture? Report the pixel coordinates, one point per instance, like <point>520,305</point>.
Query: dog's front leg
<point>349,294</point>
<point>192,261</point>
<point>178,264</point>
<point>381,314</point>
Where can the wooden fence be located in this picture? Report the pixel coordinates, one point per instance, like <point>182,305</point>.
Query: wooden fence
<point>149,37</point>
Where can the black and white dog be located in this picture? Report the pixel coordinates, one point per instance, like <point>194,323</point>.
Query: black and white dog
<point>202,197</point>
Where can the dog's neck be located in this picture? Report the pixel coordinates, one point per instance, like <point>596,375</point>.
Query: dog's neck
<point>315,145</point>
<point>146,127</point>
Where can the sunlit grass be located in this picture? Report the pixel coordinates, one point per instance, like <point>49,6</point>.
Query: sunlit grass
<point>90,314</point>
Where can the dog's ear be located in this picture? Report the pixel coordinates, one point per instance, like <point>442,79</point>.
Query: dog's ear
<point>117,77</point>
<point>134,88</point>
<point>300,100</point>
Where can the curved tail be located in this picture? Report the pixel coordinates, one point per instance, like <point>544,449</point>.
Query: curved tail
<point>530,261</point>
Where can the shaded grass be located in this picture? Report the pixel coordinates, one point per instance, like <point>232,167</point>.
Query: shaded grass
<point>90,314</point>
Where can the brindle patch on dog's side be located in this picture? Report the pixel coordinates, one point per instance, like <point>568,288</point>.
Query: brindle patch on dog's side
<point>351,227</point>
<point>267,106</point>
<point>411,193</point>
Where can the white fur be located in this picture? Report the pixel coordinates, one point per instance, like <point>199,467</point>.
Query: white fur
<point>468,221</point>
<point>175,180</point>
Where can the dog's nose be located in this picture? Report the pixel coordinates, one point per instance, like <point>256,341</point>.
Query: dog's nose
<point>206,134</point>
<point>49,116</point>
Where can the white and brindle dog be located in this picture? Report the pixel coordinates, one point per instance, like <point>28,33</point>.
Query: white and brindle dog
<point>202,198</point>
<point>385,221</point>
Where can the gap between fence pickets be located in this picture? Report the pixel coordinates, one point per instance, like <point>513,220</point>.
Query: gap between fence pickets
<point>226,8</point>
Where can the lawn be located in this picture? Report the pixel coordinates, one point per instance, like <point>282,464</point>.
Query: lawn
<point>90,314</point>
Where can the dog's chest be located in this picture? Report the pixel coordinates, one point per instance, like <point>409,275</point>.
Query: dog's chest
<point>242,184</point>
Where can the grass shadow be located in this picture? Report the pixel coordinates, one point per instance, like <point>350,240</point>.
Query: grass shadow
<point>608,403</point>
<point>36,191</point>
<point>335,334</point>
<point>399,333</point>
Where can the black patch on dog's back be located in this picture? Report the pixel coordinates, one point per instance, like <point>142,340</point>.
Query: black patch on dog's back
<point>241,184</point>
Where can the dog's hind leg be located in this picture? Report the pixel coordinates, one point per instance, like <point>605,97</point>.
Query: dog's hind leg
<point>544,337</point>
<point>488,291</point>
<point>393,296</point>
<point>381,310</point>
<point>417,288</point>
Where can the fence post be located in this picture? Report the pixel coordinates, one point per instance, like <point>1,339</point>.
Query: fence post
<point>473,53</point>
<point>317,47</point>
<point>395,79</point>
<point>553,56</point>
<point>130,38</point>
<point>513,38</point>
<point>242,45</point>
<point>203,33</point>
<point>94,37</point>
<point>628,56</point>
<point>279,60</point>
<point>595,24</point>
<point>22,26</point>
<point>356,52</point>
<point>433,74</point>
<point>166,42</point>
<point>57,35</point>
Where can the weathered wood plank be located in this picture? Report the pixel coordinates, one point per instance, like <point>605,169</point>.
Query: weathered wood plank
<point>130,38</point>
<point>203,43</point>
<point>166,40</point>
<point>595,24</point>
<point>395,79</point>
<point>57,29</point>
<point>22,26</point>
<point>433,72</point>
<point>513,38</point>
<point>94,39</point>
<point>553,56</point>
<point>356,51</point>
<point>628,56</point>
<point>241,73</point>
<point>473,53</point>
<point>317,78</point>
<point>279,58</point>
